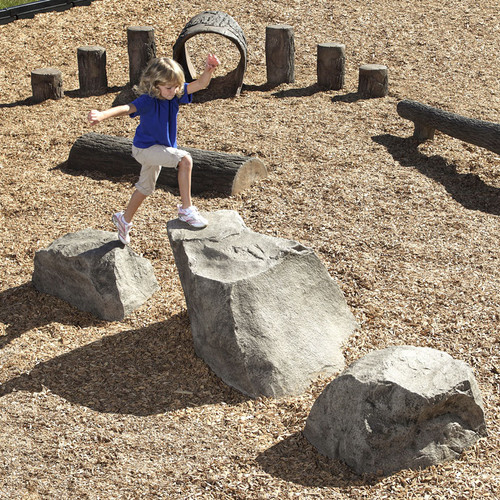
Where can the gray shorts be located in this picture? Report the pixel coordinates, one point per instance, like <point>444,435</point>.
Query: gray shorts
<point>152,159</point>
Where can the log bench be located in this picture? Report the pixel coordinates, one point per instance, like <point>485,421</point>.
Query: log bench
<point>428,119</point>
<point>220,173</point>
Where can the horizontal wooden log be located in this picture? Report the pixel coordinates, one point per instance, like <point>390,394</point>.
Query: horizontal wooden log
<point>221,173</point>
<point>428,119</point>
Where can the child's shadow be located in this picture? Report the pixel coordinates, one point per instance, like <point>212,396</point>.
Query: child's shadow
<point>140,372</point>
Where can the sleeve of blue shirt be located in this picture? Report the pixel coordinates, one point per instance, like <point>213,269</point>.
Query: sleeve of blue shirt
<point>186,98</point>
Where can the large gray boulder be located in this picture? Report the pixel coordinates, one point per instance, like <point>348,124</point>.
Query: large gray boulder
<point>265,314</point>
<point>94,272</point>
<point>401,407</point>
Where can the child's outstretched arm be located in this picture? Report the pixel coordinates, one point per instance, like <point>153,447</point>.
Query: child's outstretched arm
<point>94,116</point>
<point>202,82</point>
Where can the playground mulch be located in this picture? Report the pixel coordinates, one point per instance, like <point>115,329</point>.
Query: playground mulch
<point>94,409</point>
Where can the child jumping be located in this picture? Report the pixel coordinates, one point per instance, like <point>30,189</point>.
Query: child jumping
<point>163,88</point>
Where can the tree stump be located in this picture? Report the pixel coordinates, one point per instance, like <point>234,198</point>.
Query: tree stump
<point>46,83</point>
<point>141,49</point>
<point>280,54</point>
<point>222,173</point>
<point>92,70</point>
<point>219,23</point>
<point>330,66</point>
<point>373,80</point>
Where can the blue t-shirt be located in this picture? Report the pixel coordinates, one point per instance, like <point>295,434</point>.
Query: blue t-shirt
<point>158,120</point>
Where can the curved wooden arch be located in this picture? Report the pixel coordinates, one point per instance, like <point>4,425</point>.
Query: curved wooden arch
<point>219,23</point>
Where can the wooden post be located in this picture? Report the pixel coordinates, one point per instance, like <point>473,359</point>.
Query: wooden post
<point>373,80</point>
<point>280,54</point>
<point>330,66</point>
<point>141,49</point>
<point>92,70</point>
<point>46,83</point>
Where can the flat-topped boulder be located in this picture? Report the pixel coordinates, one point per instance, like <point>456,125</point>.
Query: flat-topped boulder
<point>95,272</point>
<point>401,407</point>
<point>265,314</point>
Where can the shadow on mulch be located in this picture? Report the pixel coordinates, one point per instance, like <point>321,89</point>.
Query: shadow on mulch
<point>72,94</point>
<point>308,91</point>
<point>467,189</point>
<point>141,372</point>
<point>295,460</point>
<point>15,104</point>
<point>303,92</point>
<point>23,308</point>
<point>351,97</point>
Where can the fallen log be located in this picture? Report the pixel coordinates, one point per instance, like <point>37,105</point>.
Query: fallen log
<point>221,173</point>
<point>428,119</point>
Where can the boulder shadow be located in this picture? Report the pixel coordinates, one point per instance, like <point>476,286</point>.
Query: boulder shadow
<point>467,189</point>
<point>141,372</point>
<point>24,308</point>
<point>295,460</point>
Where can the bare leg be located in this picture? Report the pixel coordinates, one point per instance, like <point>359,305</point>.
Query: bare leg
<point>184,179</point>
<point>135,202</point>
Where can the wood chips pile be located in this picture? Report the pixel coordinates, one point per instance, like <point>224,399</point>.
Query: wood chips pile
<point>91,409</point>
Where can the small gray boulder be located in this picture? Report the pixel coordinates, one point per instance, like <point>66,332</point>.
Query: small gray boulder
<point>265,314</point>
<point>94,272</point>
<point>401,407</point>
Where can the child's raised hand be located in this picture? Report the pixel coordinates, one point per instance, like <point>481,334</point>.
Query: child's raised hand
<point>94,117</point>
<point>212,63</point>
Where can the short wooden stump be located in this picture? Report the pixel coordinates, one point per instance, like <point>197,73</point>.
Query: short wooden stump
<point>141,48</point>
<point>373,80</point>
<point>46,83</point>
<point>92,74</point>
<point>330,68</point>
<point>280,54</point>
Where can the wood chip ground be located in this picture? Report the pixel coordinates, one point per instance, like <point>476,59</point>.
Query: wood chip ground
<point>126,410</point>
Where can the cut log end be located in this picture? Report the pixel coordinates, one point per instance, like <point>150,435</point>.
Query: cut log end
<point>249,173</point>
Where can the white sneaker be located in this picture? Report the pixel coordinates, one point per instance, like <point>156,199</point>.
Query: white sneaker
<point>123,227</point>
<point>192,216</point>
